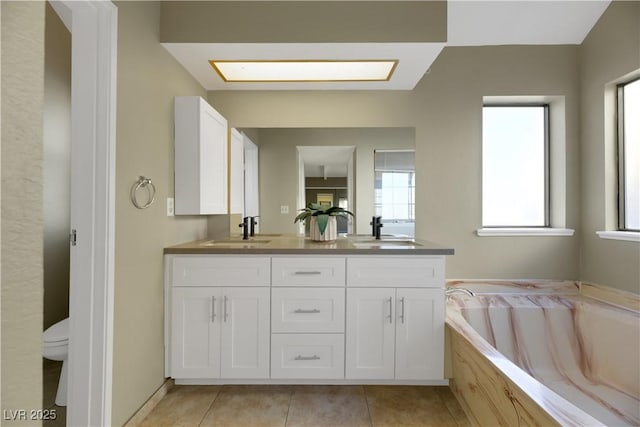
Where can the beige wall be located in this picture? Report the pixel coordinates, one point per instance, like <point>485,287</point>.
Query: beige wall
<point>445,110</point>
<point>610,52</point>
<point>56,167</point>
<point>148,79</point>
<point>303,21</point>
<point>21,210</point>
<point>278,169</point>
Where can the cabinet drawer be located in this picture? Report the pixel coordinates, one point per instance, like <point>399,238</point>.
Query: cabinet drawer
<point>307,310</point>
<point>395,271</point>
<point>307,356</point>
<point>221,271</point>
<point>308,271</point>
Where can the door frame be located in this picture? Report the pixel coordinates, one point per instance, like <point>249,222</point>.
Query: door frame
<point>94,28</point>
<point>301,197</point>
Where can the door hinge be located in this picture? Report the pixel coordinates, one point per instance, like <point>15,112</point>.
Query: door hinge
<point>73,237</point>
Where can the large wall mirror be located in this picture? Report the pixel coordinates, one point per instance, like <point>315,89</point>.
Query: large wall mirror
<point>331,163</point>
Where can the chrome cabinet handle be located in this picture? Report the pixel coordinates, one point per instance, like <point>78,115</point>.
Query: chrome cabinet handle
<point>300,357</point>
<point>307,273</point>
<point>390,310</point>
<point>300,311</point>
<point>402,306</point>
<point>213,309</point>
<point>225,308</point>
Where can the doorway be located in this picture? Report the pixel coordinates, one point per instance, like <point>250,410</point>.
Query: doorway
<point>93,28</point>
<point>56,170</point>
<point>325,177</point>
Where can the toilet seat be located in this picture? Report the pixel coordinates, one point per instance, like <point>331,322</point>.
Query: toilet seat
<point>57,334</point>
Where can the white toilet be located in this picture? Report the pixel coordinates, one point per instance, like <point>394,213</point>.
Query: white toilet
<point>55,346</point>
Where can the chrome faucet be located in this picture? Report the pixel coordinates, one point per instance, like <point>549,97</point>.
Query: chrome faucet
<point>451,291</point>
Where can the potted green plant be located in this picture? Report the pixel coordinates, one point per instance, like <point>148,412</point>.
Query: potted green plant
<point>323,226</point>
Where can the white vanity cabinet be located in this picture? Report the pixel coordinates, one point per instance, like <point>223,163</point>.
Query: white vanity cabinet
<point>305,318</point>
<point>201,143</point>
<point>395,318</point>
<point>219,331</point>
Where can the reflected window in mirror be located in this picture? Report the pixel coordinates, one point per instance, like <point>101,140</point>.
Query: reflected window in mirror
<point>394,191</point>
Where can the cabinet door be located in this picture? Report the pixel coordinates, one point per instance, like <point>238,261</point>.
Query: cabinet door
<point>201,142</point>
<point>370,333</point>
<point>236,195</point>
<point>195,333</point>
<point>245,333</point>
<point>213,161</point>
<point>419,334</point>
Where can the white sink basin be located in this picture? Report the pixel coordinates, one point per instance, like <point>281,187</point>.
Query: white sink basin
<point>385,244</point>
<point>235,243</point>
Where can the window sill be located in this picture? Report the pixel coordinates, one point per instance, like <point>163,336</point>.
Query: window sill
<point>630,236</point>
<point>492,232</point>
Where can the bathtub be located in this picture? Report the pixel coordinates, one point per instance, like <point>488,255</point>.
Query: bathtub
<point>544,353</point>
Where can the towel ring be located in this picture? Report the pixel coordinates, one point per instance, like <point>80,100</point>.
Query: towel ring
<point>143,182</point>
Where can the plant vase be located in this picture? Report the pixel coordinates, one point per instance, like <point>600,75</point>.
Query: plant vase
<point>330,233</point>
<point>322,222</point>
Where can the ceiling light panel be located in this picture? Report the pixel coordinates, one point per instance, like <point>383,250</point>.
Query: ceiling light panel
<point>305,70</point>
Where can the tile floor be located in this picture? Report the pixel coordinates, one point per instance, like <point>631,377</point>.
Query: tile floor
<point>313,405</point>
<point>50,376</point>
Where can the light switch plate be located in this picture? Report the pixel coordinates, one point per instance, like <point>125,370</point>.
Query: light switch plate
<point>284,209</point>
<point>170,207</point>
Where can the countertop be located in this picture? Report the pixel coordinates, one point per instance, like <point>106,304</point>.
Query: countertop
<point>292,244</point>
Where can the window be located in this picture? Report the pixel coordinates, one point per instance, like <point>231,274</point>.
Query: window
<point>395,189</point>
<point>515,166</point>
<point>629,156</point>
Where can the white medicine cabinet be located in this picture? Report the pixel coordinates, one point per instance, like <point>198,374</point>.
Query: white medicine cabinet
<point>201,144</point>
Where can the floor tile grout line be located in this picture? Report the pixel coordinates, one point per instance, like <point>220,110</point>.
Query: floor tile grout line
<point>364,392</point>
<point>286,418</point>
<point>204,417</point>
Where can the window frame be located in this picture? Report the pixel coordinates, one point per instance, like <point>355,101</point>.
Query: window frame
<point>620,157</point>
<point>547,164</point>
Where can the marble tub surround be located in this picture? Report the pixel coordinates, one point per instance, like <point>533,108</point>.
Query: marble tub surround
<point>575,357</point>
<point>613,296</point>
<point>546,287</point>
